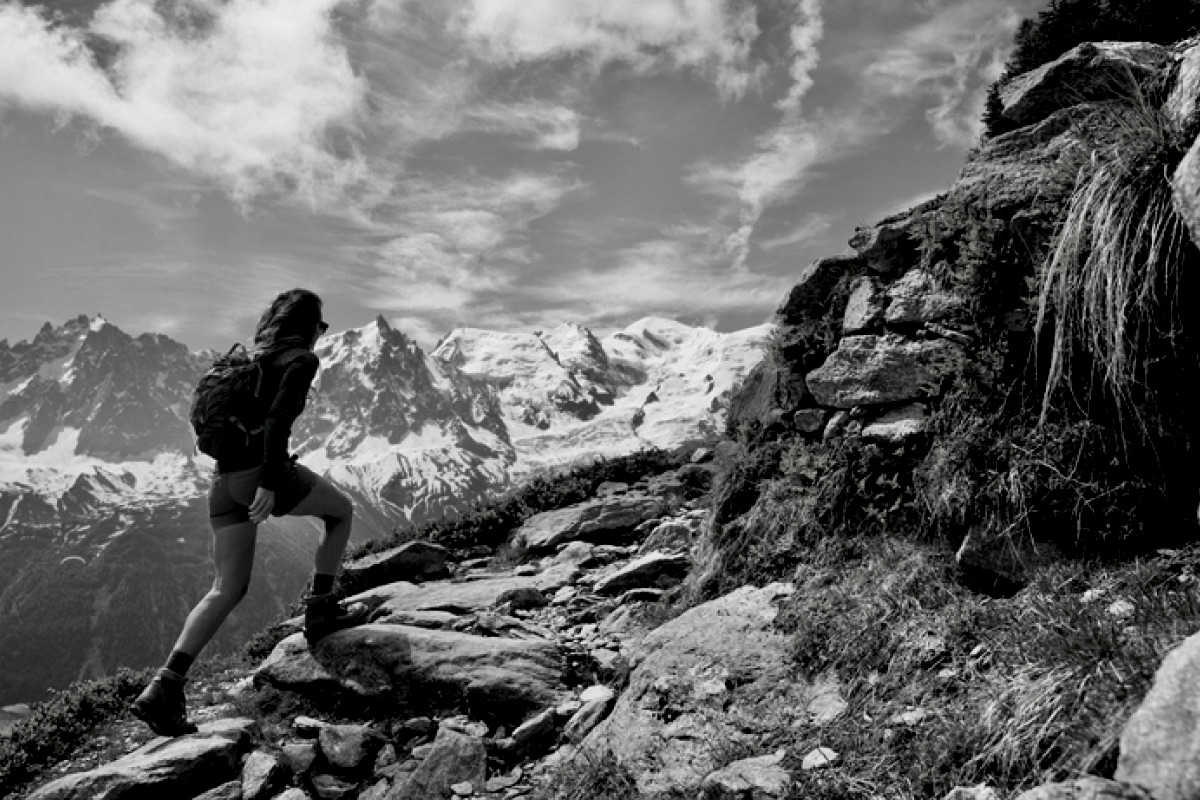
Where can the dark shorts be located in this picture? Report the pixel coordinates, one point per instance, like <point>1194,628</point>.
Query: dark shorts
<point>233,492</point>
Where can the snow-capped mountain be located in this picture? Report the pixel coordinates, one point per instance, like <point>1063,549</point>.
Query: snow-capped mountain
<point>103,514</point>
<point>567,396</point>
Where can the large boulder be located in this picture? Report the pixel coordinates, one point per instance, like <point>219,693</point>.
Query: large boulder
<point>651,570</point>
<point>814,288</point>
<point>1089,71</point>
<point>603,520</point>
<point>182,767</point>
<point>408,665</point>
<point>411,561</point>
<point>1160,745</point>
<point>716,677</point>
<point>873,370</point>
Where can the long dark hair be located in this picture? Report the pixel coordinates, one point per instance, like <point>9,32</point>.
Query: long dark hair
<point>294,314</point>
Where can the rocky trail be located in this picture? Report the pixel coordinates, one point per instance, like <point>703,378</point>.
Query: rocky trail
<point>476,680</point>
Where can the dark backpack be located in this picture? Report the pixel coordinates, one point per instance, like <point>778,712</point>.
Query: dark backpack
<point>226,408</point>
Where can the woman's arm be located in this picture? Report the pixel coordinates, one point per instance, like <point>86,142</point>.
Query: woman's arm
<point>285,407</point>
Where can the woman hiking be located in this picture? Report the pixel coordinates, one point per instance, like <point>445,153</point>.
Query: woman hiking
<point>252,483</point>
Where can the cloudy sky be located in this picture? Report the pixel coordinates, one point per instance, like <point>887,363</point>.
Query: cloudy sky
<point>509,164</point>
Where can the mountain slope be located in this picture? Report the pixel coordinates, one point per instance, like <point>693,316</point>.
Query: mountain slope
<point>102,498</point>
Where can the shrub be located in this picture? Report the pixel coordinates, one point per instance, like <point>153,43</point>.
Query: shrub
<point>61,723</point>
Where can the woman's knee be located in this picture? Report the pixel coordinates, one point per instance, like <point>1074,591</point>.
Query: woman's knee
<point>338,508</point>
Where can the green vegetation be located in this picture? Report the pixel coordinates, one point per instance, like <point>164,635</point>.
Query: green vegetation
<point>57,726</point>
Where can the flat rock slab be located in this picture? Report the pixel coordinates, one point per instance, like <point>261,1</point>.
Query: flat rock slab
<point>601,520</point>
<point>398,602</point>
<point>182,767</point>
<point>506,677</point>
<point>411,561</point>
<point>646,571</point>
<point>721,675</point>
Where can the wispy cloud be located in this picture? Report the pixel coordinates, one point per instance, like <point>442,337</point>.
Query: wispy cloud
<point>711,37</point>
<point>784,154</point>
<point>543,125</point>
<point>948,60</point>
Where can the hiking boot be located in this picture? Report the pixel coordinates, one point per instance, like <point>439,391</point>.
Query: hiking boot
<point>324,614</point>
<point>161,705</point>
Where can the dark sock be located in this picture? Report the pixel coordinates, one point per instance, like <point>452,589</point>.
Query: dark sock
<point>322,584</point>
<point>179,662</point>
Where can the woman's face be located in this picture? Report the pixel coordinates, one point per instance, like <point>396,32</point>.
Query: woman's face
<point>322,326</point>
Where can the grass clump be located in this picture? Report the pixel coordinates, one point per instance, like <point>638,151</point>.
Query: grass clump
<point>947,688</point>
<point>1115,281</point>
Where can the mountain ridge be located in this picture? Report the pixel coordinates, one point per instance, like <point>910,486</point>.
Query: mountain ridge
<point>97,463</point>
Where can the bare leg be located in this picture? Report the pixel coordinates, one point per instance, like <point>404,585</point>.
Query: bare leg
<point>337,510</point>
<point>233,554</point>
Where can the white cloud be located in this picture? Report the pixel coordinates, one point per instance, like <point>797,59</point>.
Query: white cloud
<point>660,277</point>
<point>545,125</point>
<point>452,241</point>
<point>783,155</point>
<point>947,61</point>
<point>260,95</point>
<point>711,37</point>
<point>808,229</point>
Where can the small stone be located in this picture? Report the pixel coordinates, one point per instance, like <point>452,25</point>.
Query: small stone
<point>526,570</point>
<point>819,758</point>
<point>418,725</point>
<point>329,787</point>
<point>537,729</point>
<point>980,792</point>
<point>1091,596</point>
<point>464,789</point>
<point>913,717</point>
<point>1121,609</point>
<point>499,783</point>
<point>596,692</point>
<point>299,756</point>
<point>465,725</point>
<point>567,708</point>
<point>307,726</point>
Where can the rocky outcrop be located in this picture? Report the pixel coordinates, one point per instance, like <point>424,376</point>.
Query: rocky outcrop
<point>603,520</point>
<point>716,676</point>
<point>399,663</point>
<point>1088,72</point>
<point>183,767</point>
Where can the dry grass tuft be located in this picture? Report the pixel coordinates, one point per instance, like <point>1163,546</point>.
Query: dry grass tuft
<point>1112,279</point>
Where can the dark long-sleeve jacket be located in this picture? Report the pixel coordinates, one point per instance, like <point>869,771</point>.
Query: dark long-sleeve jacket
<point>288,375</point>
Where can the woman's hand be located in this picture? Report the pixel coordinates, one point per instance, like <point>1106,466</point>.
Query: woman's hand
<point>260,509</point>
